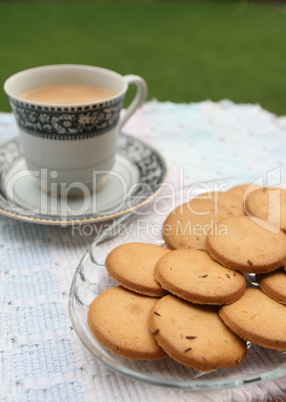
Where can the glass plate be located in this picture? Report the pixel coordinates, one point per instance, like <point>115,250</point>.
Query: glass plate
<point>91,278</point>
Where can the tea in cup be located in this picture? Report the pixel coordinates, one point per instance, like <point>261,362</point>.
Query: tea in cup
<point>68,118</point>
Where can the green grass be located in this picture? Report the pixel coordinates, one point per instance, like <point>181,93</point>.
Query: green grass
<point>186,51</point>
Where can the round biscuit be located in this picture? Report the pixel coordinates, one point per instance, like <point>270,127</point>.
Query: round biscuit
<point>268,203</point>
<point>118,319</point>
<point>242,190</point>
<point>273,284</point>
<point>230,201</point>
<point>257,318</point>
<point>132,265</point>
<point>194,276</point>
<point>250,245</point>
<point>194,335</point>
<point>188,225</point>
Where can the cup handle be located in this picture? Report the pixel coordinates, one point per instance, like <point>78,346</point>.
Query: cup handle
<point>138,99</point>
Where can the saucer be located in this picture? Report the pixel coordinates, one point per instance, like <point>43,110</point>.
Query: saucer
<point>137,176</point>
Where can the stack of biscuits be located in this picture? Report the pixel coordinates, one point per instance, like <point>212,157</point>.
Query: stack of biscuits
<point>190,300</point>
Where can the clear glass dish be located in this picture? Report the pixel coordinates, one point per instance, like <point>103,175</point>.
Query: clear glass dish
<point>91,278</point>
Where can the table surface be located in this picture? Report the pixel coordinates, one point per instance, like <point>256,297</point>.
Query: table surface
<point>41,356</point>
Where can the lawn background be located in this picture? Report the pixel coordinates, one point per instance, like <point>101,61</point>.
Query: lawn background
<point>187,51</point>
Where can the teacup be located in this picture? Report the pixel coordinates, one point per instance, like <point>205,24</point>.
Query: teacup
<point>71,146</point>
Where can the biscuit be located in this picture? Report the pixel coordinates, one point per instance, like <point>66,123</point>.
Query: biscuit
<point>274,285</point>
<point>118,319</point>
<point>194,335</point>
<point>250,245</point>
<point>257,318</point>
<point>132,265</point>
<point>188,224</point>
<point>194,276</point>
<point>230,201</point>
<point>242,190</point>
<point>268,204</point>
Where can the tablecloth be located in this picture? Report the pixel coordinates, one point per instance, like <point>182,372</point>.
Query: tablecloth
<point>41,357</point>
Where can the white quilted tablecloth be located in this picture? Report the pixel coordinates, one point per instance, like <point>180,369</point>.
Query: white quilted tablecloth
<point>41,358</point>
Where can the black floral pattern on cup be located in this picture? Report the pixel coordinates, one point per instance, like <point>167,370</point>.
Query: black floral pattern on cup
<point>62,123</point>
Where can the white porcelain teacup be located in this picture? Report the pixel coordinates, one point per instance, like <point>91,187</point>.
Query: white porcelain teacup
<point>71,146</point>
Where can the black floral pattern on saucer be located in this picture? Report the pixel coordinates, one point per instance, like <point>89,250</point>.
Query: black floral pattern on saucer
<point>152,169</point>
